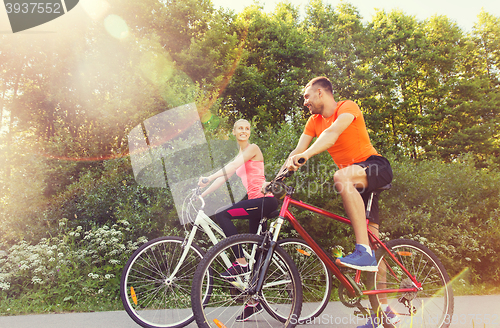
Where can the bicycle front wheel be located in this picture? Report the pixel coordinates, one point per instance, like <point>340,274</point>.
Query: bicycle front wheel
<point>432,306</point>
<point>281,292</point>
<point>315,277</point>
<point>152,295</point>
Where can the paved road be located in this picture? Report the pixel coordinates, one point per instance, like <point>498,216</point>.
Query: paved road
<point>470,312</point>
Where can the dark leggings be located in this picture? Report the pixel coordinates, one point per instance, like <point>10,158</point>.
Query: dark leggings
<point>251,210</point>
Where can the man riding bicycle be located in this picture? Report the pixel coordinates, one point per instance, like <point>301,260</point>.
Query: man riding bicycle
<point>340,128</point>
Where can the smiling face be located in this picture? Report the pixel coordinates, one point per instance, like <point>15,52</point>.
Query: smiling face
<point>241,130</point>
<point>312,100</point>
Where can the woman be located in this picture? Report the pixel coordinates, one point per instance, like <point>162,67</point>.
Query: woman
<point>249,166</point>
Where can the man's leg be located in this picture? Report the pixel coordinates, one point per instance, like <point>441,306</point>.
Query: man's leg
<point>381,276</point>
<point>381,284</point>
<point>348,181</point>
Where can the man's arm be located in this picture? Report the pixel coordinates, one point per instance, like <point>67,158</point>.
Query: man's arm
<point>304,142</point>
<point>325,140</point>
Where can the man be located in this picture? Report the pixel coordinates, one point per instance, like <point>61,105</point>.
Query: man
<point>340,128</point>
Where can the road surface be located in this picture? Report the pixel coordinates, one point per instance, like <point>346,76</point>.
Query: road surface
<point>470,311</point>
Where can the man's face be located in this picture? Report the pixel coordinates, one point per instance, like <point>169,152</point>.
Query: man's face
<point>312,100</point>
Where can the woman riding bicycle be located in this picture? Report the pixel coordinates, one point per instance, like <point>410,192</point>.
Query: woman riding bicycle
<point>249,166</point>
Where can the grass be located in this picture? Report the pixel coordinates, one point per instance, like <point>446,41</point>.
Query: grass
<point>33,304</point>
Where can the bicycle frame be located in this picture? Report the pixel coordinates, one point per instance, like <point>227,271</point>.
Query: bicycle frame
<point>208,226</point>
<point>374,240</point>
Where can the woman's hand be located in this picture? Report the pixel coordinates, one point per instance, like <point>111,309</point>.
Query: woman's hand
<point>264,186</point>
<point>203,182</point>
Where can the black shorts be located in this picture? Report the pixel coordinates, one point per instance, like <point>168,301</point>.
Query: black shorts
<point>378,173</point>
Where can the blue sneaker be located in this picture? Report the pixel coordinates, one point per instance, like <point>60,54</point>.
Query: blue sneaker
<point>374,322</point>
<point>360,259</point>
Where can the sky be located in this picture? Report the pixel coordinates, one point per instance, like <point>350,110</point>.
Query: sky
<point>464,13</point>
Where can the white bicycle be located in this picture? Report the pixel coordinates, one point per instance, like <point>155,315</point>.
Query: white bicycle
<point>155,285</point>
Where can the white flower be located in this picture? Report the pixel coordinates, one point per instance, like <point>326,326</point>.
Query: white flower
<point>5,286</point>
<point>36,280</point>
<point>93,275</point>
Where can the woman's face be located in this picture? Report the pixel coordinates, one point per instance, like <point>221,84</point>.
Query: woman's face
<point>241,130</point>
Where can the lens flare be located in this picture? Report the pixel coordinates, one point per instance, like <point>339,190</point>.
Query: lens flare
<point>157,67</point>
<point>116,27</point>
<point>95,8</point>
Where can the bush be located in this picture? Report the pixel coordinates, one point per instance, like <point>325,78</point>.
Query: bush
<point>73,269</point>
<point>453,206</point>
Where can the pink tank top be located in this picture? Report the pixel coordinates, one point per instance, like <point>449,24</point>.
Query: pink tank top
<point>252,176</point>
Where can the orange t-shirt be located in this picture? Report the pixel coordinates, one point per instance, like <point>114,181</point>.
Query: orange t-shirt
<point>353,145</point>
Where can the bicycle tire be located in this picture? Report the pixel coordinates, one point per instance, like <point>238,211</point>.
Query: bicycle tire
<point>430,307</point>
<point>282,289</point>
<point>147,296</point>
<point>317,282</point>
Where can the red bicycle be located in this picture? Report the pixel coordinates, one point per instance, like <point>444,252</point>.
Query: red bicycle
<point>410,278</point>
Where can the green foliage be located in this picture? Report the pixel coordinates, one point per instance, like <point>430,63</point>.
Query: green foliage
<point>429,92</point>
<point>67,270</point>
<point>454,206</point>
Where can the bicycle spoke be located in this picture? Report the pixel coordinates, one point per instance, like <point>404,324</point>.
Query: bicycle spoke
<point>432,306</point>
<point>150,294</point>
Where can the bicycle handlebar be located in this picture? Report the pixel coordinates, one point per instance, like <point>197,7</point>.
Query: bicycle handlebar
<point>279,178</point>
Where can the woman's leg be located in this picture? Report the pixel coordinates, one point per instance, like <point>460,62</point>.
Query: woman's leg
<point>252,210</point>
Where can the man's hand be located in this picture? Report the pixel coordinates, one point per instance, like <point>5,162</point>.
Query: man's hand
<point>293,162</point>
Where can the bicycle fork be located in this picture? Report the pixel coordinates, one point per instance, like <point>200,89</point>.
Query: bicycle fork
<point>268,246</point>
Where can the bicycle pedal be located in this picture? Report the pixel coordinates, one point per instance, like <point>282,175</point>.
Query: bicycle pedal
<point>237,285</point>
<point>362,313</point>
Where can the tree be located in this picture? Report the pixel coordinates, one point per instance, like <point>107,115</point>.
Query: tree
<point>272,69</point>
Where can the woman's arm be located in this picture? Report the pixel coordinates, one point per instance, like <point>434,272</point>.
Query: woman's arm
<point>251,152</point>
<point>215,185</point>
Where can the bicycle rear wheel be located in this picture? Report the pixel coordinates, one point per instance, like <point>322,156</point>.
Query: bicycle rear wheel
<point>152,297</point>
<point>432,306</point>
<point>281,292</point>
<point>315,277</point>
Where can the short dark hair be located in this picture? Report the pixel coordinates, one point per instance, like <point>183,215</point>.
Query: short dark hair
<point>322,82</point>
